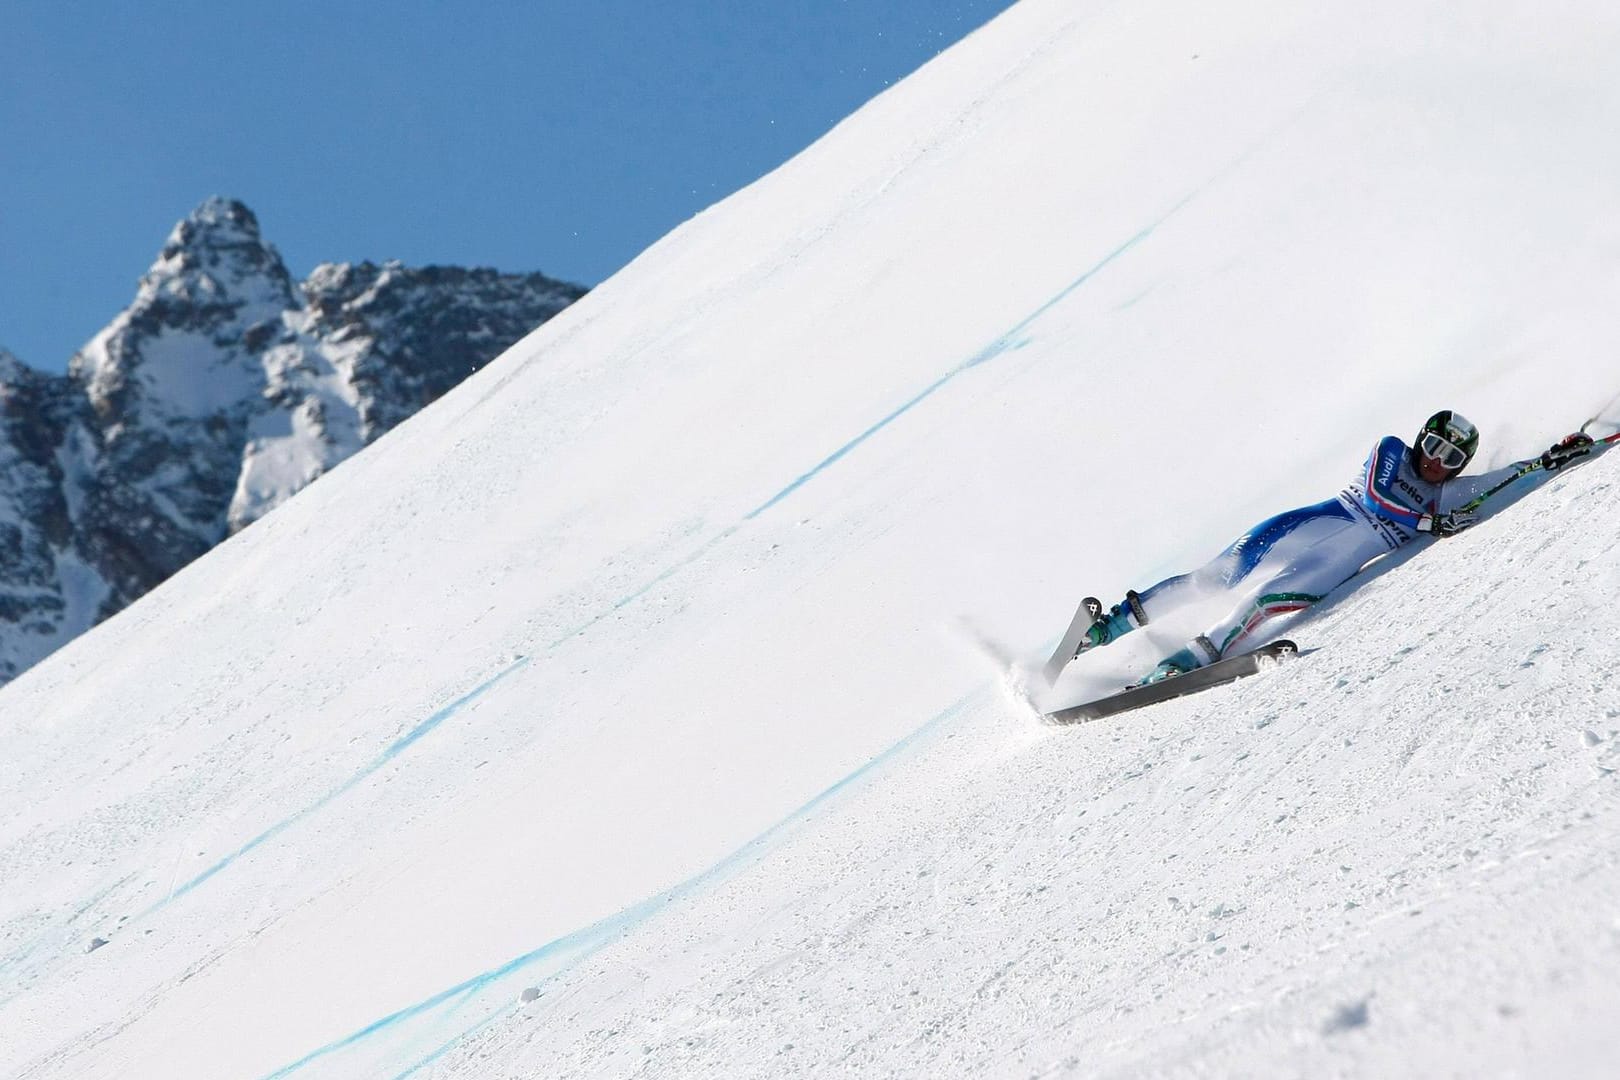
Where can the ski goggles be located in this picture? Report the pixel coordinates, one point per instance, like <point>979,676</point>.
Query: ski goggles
<point>1436,448</point>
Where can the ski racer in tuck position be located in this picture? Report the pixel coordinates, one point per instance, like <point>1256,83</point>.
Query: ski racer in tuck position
<point>1290,561</point>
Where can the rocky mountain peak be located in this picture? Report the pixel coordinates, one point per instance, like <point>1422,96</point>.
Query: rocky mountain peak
<point>216,255</point>
<point>220,392</point>
<point>175,349</point>
<point>217,222</point>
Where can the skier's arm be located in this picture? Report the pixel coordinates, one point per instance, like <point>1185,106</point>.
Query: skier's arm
<point>1465,490</point>
<point>1378,486</point>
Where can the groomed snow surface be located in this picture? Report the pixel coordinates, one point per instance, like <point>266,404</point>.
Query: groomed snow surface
<point>632,710</point>
<point>1395,857</point>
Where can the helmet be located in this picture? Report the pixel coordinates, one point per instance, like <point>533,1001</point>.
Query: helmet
<point>1446,437</point>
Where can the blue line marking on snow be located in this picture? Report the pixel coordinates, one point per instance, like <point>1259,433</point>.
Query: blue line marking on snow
<point>389,754</point>
<point>582,943</point>
<point>847,448</point>
<point>1013,339</point>
<point>1017,337</point>
<point>658,579</point>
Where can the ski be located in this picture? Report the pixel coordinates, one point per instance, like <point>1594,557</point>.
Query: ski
<point>1217,674</point>
<point>1085,616</point>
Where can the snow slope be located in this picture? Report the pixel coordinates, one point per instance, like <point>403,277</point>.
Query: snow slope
<point>646,677</point>
<point>1397,856</point>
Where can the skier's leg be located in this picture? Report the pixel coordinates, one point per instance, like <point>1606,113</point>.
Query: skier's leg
<point>1297,568</point>
<point>1325,558</point>
<point>1234,565</point>
<point>1156,601</point>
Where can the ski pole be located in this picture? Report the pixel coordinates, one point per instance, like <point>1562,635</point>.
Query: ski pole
<point>1528,467</point>
<point>1525,469</point>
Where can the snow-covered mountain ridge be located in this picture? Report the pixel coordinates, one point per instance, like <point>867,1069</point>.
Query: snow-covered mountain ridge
<point>640,670</point>
<point>219,393</point>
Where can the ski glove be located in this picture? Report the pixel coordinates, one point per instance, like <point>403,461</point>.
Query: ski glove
<point>1446,524</point>
<point>1567,450</point>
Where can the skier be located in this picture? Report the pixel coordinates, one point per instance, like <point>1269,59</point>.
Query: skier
<point>1290,561</point>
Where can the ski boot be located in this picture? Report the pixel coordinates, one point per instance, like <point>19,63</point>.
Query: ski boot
<point>1113,624</point>
<point>1093,626</point>
<point>1202,651</point>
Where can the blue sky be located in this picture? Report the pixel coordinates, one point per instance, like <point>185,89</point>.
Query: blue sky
<point>552,136</point>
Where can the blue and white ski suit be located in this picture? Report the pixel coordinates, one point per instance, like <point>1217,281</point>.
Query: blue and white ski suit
<point>1290,561</point>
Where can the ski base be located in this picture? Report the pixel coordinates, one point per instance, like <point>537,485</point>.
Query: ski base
<point>1217,674</point>
<point>1085,616</point>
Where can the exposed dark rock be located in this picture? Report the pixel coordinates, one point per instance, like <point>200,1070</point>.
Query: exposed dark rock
<point>221,391</point>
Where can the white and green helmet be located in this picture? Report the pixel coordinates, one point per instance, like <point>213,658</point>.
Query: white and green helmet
<point>1447,437</point>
